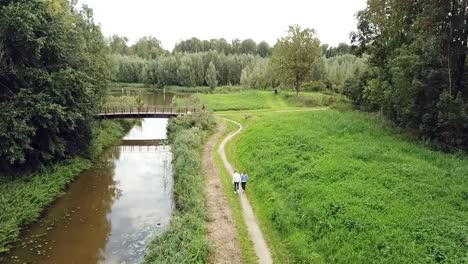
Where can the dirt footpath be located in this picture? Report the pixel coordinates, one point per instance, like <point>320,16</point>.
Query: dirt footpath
<point>260,245</point>
<point>222,232</point>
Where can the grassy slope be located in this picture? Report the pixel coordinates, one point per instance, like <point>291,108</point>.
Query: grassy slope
<point>23,199</point>
<point>248,252</point>
<point>251,100</point>
<point>331,187</point>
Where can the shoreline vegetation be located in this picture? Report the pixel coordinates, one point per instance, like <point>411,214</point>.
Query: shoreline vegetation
<point>186,239</point>
<point>23,199</point>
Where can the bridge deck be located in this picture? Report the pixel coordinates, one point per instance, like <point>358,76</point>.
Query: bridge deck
<point>145,112</point>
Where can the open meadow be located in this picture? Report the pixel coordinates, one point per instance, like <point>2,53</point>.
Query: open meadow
<point>341,187</point>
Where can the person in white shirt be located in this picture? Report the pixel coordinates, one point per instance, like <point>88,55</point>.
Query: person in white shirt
<point>236,178</point>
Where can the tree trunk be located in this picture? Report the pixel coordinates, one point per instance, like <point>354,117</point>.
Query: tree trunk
<point>298,84</point>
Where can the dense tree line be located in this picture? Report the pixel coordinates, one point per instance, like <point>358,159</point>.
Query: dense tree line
<point>341,49</point>
<point>418,69</point>
<point>247,46</point>
<point>150,47</point>
<point>53,71</point>
<point>146,47</point>
<point>184,69</point>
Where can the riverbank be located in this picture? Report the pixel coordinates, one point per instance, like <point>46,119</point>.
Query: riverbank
<point>24,198</point>
<point>186,239</point>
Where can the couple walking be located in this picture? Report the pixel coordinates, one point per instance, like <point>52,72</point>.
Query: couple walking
<point>238,178</point>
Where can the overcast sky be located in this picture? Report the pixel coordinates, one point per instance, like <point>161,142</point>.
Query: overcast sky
<point>173,20</point>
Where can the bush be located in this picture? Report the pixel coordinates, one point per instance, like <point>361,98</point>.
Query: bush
<point>314,86</point>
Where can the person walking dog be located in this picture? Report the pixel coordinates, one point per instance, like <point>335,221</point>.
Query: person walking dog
<point>236,178</point>
<point>244,180</point>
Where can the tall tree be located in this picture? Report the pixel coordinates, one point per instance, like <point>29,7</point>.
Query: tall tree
<point>263,49</point>
<point>53,73</point>
<point>295,54</point>
<point>212,76</point>
<point>248,46</point>
<point>118,45</point>
<point>148,48</point>
<point>419,49</point>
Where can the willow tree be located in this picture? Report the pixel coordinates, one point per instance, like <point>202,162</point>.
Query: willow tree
<point>294,56</point>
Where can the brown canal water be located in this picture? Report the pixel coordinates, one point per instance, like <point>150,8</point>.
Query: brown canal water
<point>110,213</point>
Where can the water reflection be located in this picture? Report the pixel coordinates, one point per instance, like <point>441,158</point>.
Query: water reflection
<point>110,213</point>
<point>155,97</point>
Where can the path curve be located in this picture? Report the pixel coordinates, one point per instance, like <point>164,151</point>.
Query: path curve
<point>261,248</point>
<point>222,231</point>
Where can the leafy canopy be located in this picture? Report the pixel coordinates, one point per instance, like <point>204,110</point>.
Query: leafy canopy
<point>295,54</point>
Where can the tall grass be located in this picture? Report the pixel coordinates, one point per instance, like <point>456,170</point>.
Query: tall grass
<point>337,187</point>
<point>22,199</point>
<point>186,241</point>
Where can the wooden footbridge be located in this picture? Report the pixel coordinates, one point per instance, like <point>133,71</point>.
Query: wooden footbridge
<point>145,112</point>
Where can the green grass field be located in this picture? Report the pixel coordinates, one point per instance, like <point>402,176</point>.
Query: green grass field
<point>339,187</point>
<point>255,100</point>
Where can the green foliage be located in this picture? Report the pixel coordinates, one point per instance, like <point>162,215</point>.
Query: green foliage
<point>128,69</point>
<point>248,46</point>
<point>181,69</point>
<point>22,199</point>
<point>146,47</point>
<point>294,55</point>
<point>342,68</point>
<point>263,49</point>
<point>339,188</point>
<point>310,99</point>
<point>258,75</point>
<point>418,51</point>
<point>211,76</point>
<point>340,50</point>
<point>53,73</point>
<point>186,241</point>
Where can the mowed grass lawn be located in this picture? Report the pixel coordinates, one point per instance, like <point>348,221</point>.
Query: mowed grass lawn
<point>252,100</point>
<point>338,187</point>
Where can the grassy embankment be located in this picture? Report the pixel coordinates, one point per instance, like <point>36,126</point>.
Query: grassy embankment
<point>186,239</point>
<point>341,187</point>
<point>22,199</point>
<point>258,100</point>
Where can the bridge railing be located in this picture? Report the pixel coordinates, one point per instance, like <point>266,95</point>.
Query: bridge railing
<point>150,109</point>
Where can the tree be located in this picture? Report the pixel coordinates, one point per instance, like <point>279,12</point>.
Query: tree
<point>211,76</point>
<point>248,46</point>
<point>118,45</point>
<point>294,55</point>
<point>53,75</point>
<point>185,72</point>
<point>148,48</point>
<point>418,49</point>
<point>263,49</point>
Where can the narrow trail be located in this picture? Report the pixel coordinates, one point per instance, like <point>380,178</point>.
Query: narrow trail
<point>261,248</point>
<point>222,232</point>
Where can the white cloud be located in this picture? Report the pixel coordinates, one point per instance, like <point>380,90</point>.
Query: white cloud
<point>173,20</point>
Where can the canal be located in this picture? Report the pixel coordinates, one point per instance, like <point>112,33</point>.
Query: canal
<point>110,213</point>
